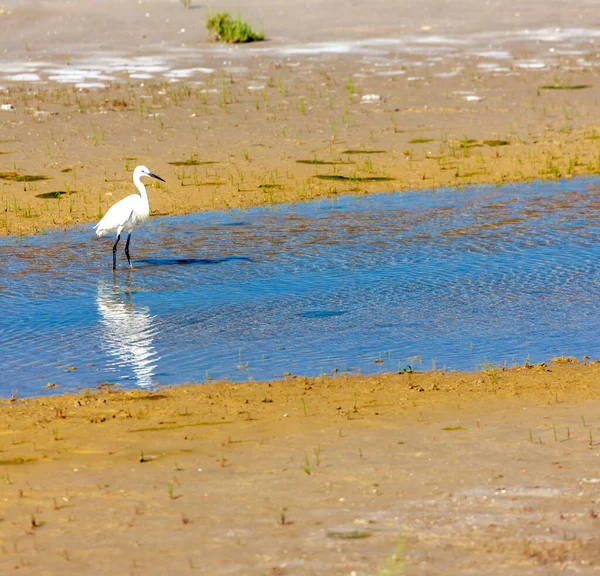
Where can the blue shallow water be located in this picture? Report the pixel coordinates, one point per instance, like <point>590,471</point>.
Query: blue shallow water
<point>448,278</point>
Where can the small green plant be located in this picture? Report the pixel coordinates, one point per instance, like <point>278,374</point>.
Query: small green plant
<point>308,468</point>
<point>396,563</point>
<point>317,453</point>
<point>350,87</point>
<point>223,27</point>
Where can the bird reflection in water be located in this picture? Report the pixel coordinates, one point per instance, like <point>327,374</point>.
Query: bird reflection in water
<point>126,330</point>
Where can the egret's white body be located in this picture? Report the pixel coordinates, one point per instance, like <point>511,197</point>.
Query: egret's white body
<point>126,213</point>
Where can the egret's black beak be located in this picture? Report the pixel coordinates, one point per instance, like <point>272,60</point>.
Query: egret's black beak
<point>155,176</point>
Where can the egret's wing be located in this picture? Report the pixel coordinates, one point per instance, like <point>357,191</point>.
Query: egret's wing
<point>118,214</point>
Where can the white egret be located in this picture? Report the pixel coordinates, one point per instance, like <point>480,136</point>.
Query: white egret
<point>126,213</point>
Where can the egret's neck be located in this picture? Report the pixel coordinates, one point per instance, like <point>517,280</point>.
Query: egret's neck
<point>141,188</point>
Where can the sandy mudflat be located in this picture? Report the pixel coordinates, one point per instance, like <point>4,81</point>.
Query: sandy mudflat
<point>490,473</point>
<point>467,473</point>
<point>433,96</point>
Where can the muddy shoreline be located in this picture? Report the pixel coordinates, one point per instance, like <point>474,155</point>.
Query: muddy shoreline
<point>408,473</point>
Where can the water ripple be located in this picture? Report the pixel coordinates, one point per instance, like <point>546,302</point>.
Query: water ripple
<point>454,278</point>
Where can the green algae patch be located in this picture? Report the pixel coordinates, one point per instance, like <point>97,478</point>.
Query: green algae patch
<point>177,426</point>
<point>322,162</point>
<point>19,461</point>
<point>56,194</point>
<point>16,177</point>
<point>339,178</point>
<point>364,152</point>
<point>565,87</point>
<point>348,534</point>
<point>191,162</point>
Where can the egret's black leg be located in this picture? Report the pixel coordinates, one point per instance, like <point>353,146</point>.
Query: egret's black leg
<point>115,251</point>
<point>127,249</point>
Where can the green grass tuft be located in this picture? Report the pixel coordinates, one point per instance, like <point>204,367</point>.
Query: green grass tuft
<point>223,27</point>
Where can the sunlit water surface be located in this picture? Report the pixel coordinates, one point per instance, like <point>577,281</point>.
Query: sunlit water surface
<point>452,278</point>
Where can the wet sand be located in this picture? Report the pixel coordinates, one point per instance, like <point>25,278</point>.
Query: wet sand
<point>418,474</point>
<point>412,473</point>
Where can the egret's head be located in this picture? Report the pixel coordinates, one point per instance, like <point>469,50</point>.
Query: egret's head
<point>143,171</point>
